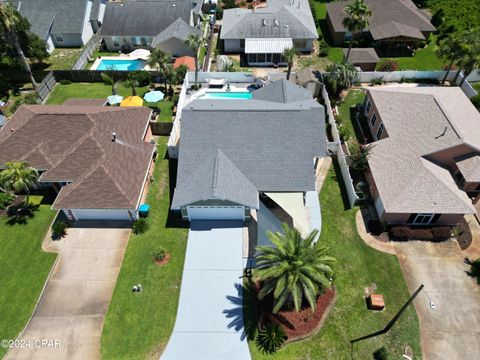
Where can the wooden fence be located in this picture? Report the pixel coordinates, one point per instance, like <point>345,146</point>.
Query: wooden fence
<point>45,87</point>
<point>90,47</point>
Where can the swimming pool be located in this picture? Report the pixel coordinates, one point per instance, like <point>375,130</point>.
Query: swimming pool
<point>227,95</point>
<point>121,65</point>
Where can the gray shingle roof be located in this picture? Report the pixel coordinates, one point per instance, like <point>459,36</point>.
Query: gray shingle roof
<point>272,144</point>
<point>282,91</point>
<point>74,144</point>
<point>217,179</point>
<point>383,11</point>
<point>469,166</point>
<point>282,19</point>
<point>67,15</point>
<point>179,29</point>
<point>143,18</point>
<point>419,123</point>
<point>362,55</point>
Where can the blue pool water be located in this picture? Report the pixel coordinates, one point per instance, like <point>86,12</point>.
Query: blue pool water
<point>121,65</point>
<point>226,95</point>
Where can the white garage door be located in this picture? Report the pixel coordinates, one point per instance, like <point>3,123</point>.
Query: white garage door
<point>84,214</point>
<point>216,213</point>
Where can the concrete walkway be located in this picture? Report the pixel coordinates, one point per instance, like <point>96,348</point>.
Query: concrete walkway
<point>452,329</point>
<point>72,307</point>
<point>386,247</point>
<point>209,323</point>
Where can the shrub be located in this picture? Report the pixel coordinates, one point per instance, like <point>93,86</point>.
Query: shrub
<point>243,3</point>
<point>30,98</point>
<point>359,155</point>
<point>403,232</point>
<point>270,338</point>
<point>376,82</point>
<point>159,254</point>
<point>387,65</point>
<point>59,229</point>
<point>250,6</point>
<point>381,354</point>
<point>175,99</point>
<point>143,77</point>
<point>475,270</point>
<point>140,226</point>
<point>6,199</point>
<point>323,48</point>
<point>343,132</point>
<point>476,101</point>
<point>65,82</point>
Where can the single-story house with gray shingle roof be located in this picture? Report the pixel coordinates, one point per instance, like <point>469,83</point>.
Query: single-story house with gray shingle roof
<point>66,23</point>
<point>397,21</point>
<point>135,24</point>
<point>264,33</point>
<point>424,167</point>
<point>232,151</point>
<point>98,175</point>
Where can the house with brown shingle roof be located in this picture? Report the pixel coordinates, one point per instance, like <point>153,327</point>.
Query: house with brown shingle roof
<point>98,158</point>
<point>425,163</point>
<point>393,23</point>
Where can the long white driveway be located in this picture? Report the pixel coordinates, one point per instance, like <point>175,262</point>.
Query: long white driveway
<point>209,323</point>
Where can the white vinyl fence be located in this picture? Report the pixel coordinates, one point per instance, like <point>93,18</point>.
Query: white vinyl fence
<point>341,157</point>
<point>399,76</point>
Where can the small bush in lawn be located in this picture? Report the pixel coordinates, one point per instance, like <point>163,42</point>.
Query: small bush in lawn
<point>381,354</point>
<point>270,338</point>
<point>65,82</point>
<point>59,229</point>
<point>323,48</point>
<point>140,226</point>
<point>5,200</point>
<point>159,254</point>
<point>387,65</point>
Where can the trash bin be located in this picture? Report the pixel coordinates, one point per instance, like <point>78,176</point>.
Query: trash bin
<point>144,210</point>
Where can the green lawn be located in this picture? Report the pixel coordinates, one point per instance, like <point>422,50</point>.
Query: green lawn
<point>63,58</point>
<point>24,269</point>
<point>462,14</point>
<point>424,59</point>
<point>100,90</point>
<point>476,86</point>
<point>358,266</point>
<point>138,326</point>
<point>353,97</point>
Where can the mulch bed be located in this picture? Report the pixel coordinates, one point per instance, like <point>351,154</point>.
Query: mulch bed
<point>465,235</point>
<point>301,324</point>
<point>164,261</point>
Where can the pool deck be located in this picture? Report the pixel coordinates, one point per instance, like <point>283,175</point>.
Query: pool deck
<point>234,87</point>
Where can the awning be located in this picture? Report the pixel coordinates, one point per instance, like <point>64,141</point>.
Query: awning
<point>267,45</point>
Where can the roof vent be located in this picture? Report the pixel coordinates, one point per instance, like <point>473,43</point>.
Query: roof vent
<point>275,22</point>
<point>264,22</point>
<point>174,5</point>
<point>114,137</point>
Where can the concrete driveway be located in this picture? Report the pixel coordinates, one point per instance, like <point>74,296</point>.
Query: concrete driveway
<point>72,308</point>
<point>209,323</point>
<point>452,329</point>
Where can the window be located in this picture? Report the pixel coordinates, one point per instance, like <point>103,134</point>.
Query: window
<point>300,43</point>
<point>261,58</point>
<point>379,132</point>
<point>136,41</point>
<point>373,120</point>
<point>115,41</point>
<point>368,106</point>
<point>143,41</point>
<point>423,219</point>
<point>59,38</point>
<point>252,58</point>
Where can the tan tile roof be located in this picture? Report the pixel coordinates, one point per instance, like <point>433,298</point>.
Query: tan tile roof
<point>74,144</point>
<point>419,123</point>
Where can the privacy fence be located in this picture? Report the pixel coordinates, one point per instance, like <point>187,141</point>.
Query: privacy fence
<point>90,47</point>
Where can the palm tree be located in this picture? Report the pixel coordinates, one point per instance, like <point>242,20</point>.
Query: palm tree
<point>449,50</point>
<point>289,55</point>
<point>343,75</point>
<point>131,83</point>
<point>194,42</point>
<point>294,268</point>
<point>18,177</point>
<point>358,18</point>
<point>470,53</point>
<point>110,80</point>
<point>9,20</point>
<point>159,59</point>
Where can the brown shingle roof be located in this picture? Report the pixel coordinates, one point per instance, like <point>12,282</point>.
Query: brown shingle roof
<point>469,166</point>
<point>362,56</point>
<point>383,11</point>
<point>420,123</point>
<point>74,144</point>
